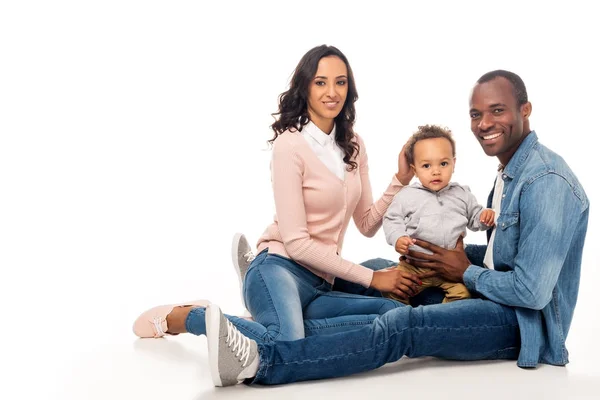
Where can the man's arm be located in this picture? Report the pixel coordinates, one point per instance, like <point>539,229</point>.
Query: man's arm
<point>547,222</point>
<point>548,219</point>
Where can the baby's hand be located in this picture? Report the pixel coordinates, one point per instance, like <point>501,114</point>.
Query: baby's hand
<point>487,217</point>
<point>403,243</point>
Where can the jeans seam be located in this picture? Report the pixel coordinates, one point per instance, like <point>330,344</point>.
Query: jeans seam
<point>253,266</point>
<point>503,326</point>
<point>349,323</point>
<point>268,336</point>
<point>359,297</point>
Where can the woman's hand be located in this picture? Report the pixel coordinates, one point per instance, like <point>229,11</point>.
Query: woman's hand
<point>405,172</point>
<point>392,280</point>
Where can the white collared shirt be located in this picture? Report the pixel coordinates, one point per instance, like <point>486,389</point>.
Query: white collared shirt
<point>325,148</point>
<point>488,260</point>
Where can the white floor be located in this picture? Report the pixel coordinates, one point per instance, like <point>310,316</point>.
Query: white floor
<point>95,356</point>
<point>177,368</point>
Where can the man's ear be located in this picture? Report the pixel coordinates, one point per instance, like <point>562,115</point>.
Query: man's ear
<point>526,110</point>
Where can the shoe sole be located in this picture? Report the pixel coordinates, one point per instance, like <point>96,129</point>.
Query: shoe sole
<point>212,335</point>
<point>234,259</point>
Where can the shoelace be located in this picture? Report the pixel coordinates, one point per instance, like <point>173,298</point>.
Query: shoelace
<point>240,343</point>
<point>249,256</point>
<point>157,325</point>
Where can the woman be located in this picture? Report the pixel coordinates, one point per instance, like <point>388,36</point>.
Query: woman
<point>320,180</point>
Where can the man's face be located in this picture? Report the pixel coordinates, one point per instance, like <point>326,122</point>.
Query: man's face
<point>499,124</point>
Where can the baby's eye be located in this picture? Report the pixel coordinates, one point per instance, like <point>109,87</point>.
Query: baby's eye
<point>444,163</point>
<point>426,166</point>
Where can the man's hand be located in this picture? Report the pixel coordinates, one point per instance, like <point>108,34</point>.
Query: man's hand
<point>403,243</point>
<point>487,217</point>
<point>448,264</point>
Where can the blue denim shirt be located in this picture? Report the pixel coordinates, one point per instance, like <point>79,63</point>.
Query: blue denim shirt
<point>538,247</point>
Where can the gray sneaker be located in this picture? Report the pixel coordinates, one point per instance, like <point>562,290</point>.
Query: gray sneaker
<point>233,357</point>
<point>242,256</point>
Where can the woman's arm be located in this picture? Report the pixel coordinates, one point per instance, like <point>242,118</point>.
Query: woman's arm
<point>287,169</point>
<point>368,215</point>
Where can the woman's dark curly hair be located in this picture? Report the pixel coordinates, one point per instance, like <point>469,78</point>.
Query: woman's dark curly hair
<point>293,103</point>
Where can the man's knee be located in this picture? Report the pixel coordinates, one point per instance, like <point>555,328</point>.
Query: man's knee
<point>389,305</point>
<point>377,264</point>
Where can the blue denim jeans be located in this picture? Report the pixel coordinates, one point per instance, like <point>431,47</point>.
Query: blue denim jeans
<point>473,329</point>
<point>344,305</point>
<point>287,299</point>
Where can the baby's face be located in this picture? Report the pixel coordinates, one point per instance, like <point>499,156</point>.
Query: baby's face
<point>434,163</point>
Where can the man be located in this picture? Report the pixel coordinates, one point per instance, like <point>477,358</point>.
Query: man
<point>527,278</point>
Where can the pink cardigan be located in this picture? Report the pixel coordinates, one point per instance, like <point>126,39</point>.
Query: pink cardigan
<point>313,208</point>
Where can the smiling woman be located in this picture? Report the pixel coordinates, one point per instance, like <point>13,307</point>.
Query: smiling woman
<point>327,93</point>
<point>322,91</point>
<point>320,180</point>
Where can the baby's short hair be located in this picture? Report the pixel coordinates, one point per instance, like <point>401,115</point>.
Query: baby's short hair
<point>428,132</point>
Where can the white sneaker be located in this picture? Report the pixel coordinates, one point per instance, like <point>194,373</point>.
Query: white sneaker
<point>242,256</point>
<point>232,356</point>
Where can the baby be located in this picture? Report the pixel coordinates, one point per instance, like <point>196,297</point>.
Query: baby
<point>434,210</point>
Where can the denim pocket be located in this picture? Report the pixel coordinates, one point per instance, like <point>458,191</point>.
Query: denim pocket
<point>508,233</point>
<point>506,220</point>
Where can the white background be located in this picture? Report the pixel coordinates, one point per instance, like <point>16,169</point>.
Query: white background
<point>133,146</point>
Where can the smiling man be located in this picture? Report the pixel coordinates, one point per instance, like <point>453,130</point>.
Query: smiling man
<point>526,279</point>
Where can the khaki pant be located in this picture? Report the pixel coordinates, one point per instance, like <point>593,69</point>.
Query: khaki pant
<point>454,291</point>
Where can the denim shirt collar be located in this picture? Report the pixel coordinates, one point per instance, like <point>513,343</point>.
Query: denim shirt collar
<point>521,155</point>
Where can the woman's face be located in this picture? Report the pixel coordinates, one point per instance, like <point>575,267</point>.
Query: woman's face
<point>327,92</point>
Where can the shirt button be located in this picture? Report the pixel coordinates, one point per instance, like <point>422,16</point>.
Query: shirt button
<point>503,176</point>
<point>504,195</point>
<point>503,225</point>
